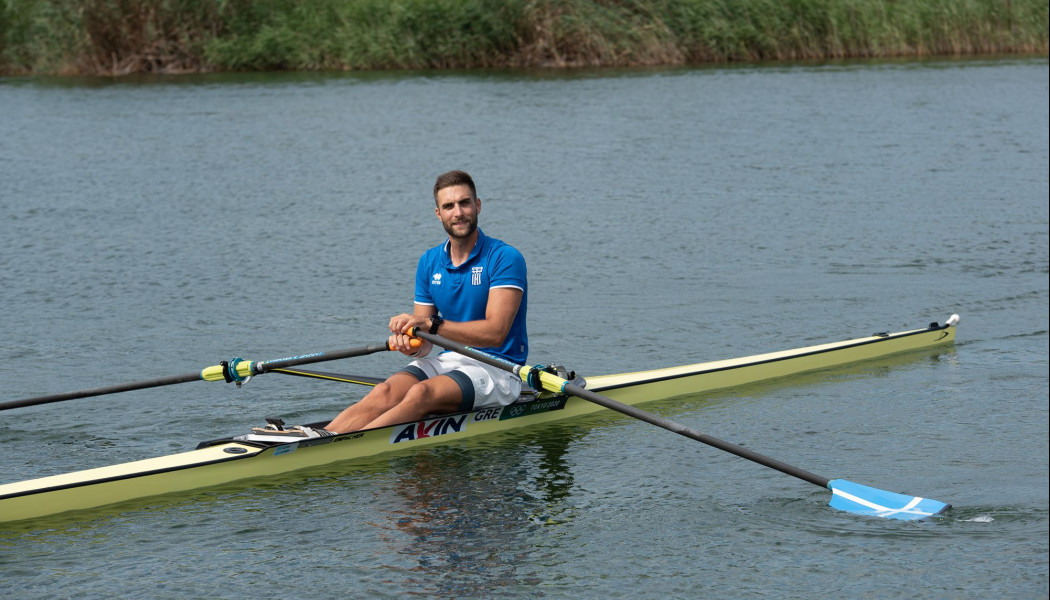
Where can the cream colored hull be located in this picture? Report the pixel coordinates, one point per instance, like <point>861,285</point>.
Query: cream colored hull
<point>228,461</point>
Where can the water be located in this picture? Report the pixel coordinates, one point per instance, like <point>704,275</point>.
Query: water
<point>153,227</point>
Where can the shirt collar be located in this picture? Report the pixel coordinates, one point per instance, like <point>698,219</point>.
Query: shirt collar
<point>473,251</point>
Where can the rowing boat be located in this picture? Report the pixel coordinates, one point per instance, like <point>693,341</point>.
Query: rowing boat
<point>227,460</point>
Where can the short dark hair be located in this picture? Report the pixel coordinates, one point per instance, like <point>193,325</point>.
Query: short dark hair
<point>454,178</point>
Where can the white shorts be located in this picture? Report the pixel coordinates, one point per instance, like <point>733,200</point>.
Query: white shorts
<point>482,385</point>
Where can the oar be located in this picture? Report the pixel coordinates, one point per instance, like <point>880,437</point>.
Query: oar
<point>846,495</point>
<point>235,370</point>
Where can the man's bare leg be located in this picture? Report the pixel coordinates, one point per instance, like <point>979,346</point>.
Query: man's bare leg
<point>437,396</point>
<point>381,399</point>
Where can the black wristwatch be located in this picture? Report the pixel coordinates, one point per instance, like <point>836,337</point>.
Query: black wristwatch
<point>435,322</point>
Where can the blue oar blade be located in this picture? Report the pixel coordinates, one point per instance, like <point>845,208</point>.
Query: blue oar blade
<point>864,500</point>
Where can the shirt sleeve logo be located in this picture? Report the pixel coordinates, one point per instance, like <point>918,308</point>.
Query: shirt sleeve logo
<point>475,275</point>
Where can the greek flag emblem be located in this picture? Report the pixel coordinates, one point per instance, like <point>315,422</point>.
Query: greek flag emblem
<point>475,275</point>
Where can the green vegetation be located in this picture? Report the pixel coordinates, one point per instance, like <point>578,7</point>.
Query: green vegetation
<point>167,36</point>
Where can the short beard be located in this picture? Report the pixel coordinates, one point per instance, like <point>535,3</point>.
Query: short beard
<point>470,230</point>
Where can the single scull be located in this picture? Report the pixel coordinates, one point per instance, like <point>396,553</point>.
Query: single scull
<point>227,460</point>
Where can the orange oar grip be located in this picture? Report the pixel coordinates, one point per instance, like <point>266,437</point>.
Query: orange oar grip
<point>414,342</point>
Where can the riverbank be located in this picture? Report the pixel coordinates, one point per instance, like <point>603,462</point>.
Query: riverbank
<point>119,37</point>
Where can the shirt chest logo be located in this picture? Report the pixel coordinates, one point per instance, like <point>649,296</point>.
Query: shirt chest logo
<point>436,280</point>
<point>475,275</point>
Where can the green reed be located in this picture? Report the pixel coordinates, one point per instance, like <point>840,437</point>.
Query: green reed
<point>130,36</point>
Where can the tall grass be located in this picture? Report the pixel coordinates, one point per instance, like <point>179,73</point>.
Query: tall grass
<point>127,36</point>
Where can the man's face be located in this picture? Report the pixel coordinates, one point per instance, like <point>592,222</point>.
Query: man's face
<point>457,211</point>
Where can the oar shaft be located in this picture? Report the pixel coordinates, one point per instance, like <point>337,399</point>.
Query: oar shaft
<point>294,361</point>
<point>680,429</point>
<point>214,373</point>
<point>101,391</point>
<point>557,384</point>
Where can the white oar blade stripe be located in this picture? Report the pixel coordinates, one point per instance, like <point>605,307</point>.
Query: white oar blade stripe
<point>883,511</point>
<point>861,499</point>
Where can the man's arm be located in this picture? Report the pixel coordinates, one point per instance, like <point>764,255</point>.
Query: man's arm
<point>399,324</point>
<point>489,332</point>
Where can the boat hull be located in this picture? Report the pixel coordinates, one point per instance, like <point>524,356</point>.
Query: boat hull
<point>225,461</point>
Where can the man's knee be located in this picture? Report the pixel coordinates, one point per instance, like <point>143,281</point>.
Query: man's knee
<point>393,389</point>
<point>418,395</point>
<point>382,390</point>
<point>430,398</point>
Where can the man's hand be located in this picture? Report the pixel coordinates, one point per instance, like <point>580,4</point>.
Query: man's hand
<point>401,341</point>
<point>404,321</point>
<point>409,345</point>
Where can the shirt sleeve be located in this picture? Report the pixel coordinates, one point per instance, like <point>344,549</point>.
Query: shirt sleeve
<point>422,294</point>
<point>508,269</point>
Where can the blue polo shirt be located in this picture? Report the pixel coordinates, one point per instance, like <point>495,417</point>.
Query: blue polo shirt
<point>461,293</point>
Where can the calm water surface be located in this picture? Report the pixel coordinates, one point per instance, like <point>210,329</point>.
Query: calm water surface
<point>155,227</point>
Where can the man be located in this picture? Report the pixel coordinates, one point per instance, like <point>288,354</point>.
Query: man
<point>471,289</point>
